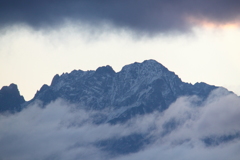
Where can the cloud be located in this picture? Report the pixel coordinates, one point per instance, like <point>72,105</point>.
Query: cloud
<point>139,15</point>
<point>219,116</point>
<point>57,131</point>
<point>65,131</point>
<point>185,152</point>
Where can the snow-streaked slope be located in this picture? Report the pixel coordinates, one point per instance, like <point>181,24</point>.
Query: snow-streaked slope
<point>137,89</point>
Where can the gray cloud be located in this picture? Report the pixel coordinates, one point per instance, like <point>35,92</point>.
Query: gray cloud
<point>139,15</point>
<point>217,117</point>
<point>63,131</point>
<point>59,131</point>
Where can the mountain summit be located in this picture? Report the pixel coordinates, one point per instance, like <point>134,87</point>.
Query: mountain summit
<point>137,89</point>
<point>10,99</point>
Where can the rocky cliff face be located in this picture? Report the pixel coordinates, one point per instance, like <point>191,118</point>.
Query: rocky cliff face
<point>10,99</point>
<point>137,89</point>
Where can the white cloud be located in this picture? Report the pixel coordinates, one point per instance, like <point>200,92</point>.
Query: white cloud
<point>65,131</point>
<point>219,116</point>
<point>58,130</point>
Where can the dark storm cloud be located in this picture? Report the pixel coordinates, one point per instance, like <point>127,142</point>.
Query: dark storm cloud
<point>139,15</point>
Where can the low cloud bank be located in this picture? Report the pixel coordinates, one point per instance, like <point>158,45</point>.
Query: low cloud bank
<point>186,130</point>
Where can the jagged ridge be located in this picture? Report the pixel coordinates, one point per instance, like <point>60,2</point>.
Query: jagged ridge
<point>138,88</point>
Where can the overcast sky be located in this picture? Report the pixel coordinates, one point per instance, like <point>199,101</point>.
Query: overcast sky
<point>198,40</point>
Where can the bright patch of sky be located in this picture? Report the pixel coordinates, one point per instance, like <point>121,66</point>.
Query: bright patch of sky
<point>30,57</point>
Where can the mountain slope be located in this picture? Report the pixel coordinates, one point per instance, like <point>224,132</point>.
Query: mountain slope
<point>137,89</point>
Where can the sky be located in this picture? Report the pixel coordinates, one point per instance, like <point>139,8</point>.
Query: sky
<point>198,40</point>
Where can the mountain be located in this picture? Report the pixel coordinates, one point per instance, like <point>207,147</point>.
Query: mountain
<point>139,88</point>
<point>122,99</point>
<point>10,99</point>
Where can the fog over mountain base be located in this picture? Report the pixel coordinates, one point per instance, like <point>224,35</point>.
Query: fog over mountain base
<point>186,130</point>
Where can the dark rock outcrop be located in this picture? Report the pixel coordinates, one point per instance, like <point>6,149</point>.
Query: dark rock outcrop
<point>10,99</point>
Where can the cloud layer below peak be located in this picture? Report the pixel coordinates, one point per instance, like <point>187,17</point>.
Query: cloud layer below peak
<point>185,130</point>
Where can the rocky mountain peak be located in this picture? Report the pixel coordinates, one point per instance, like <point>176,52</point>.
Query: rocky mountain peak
<point>10,98</point>
<point>138,88</point>
<point>146,66</point>
<point>55,79</point>
<point>105,70</point>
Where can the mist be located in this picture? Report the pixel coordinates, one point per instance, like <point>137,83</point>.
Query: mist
<point>186,130</point>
